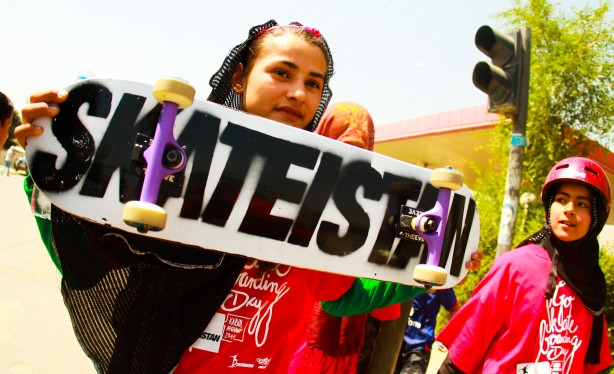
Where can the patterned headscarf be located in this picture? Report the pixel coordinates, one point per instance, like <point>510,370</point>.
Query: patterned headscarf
<point>221,81</point>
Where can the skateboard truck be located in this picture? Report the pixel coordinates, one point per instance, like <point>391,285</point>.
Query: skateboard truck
<point>431,226</point>
<point>172,185</point>
<point>164,156</point>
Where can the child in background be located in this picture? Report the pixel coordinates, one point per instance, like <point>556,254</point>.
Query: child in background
<point>8,160</point>
<point>6,119</point>
<point>540,307</point>
<point>420,331</point>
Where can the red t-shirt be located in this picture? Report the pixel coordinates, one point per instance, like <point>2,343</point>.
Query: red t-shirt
<point>507,325</point>
<point>262,322</point>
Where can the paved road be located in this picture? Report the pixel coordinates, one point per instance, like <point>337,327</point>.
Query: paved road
<point>35,332</point>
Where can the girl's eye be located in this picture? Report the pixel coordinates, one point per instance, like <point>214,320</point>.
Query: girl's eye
<point>314,84</point>
<point>582,204</point>
<point>280,72</point>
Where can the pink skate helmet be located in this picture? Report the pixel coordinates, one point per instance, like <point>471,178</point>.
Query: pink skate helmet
<point>583,170</point>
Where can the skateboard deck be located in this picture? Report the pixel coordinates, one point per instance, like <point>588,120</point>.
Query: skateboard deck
<point>250,186</point>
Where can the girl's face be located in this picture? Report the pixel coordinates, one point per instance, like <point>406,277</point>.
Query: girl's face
<point>285,81</point>
<point>570,213</point>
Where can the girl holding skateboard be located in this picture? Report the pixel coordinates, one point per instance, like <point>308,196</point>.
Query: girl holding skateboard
<point>540,307</point>
<point>210,311</point>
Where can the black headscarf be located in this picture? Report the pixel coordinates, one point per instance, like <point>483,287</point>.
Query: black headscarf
<point>577,263</point>
<point>221,81</point>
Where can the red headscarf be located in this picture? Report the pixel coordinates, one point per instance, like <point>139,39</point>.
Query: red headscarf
<point>349,123</point>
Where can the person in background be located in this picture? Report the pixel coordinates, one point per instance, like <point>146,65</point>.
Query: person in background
<point>8,161</point>
<point>540,308</point>
<point>6,119</point>
<point>420,332</point>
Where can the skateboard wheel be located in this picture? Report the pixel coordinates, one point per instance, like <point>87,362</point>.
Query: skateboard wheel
<point>144,216</point>
<point>174,90</point>
<point>448,178</point>
<point>423,225</point>
<point>430,275</point>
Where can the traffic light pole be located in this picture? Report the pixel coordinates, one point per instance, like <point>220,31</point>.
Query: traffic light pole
<point>517,144</point>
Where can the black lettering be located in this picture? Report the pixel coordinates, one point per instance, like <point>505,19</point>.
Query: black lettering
<point>115,149</point>
<point>460,245</point>
<point>278,154</point>
<point>453,227</point>
<point>315,200</point>
<point>73,137</point>
<point>209,336</point>
<point>354,175</point>
<point>200,137</point>
<point>231,182</point>
<point>401,189</point>
<point>273,185</point>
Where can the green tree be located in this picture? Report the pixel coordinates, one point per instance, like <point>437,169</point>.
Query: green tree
<point>571,84</point>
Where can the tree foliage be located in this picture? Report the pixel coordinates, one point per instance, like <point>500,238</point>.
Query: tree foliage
<point>571,92</point>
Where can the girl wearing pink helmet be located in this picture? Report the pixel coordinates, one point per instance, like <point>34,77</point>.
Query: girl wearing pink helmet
<point>540,307</point>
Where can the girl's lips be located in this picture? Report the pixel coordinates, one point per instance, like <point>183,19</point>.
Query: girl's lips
<point>291,111</point>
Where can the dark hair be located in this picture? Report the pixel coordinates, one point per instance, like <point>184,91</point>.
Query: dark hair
<point>6,107</point>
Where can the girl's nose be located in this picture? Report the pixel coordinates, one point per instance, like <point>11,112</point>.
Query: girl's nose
<point>297,92</point>
<point>570,208</point>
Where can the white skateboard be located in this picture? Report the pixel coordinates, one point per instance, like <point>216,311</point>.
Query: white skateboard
<point>205,175</point>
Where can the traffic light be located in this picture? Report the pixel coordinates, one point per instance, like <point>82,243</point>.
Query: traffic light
<point>506,80</point>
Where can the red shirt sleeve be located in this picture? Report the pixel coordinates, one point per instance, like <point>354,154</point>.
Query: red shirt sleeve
<point>328,286</point>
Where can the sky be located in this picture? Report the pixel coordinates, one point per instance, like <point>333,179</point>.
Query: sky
<point>401,59</point>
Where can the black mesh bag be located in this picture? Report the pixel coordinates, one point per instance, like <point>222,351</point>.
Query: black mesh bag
<point>136,304</point>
